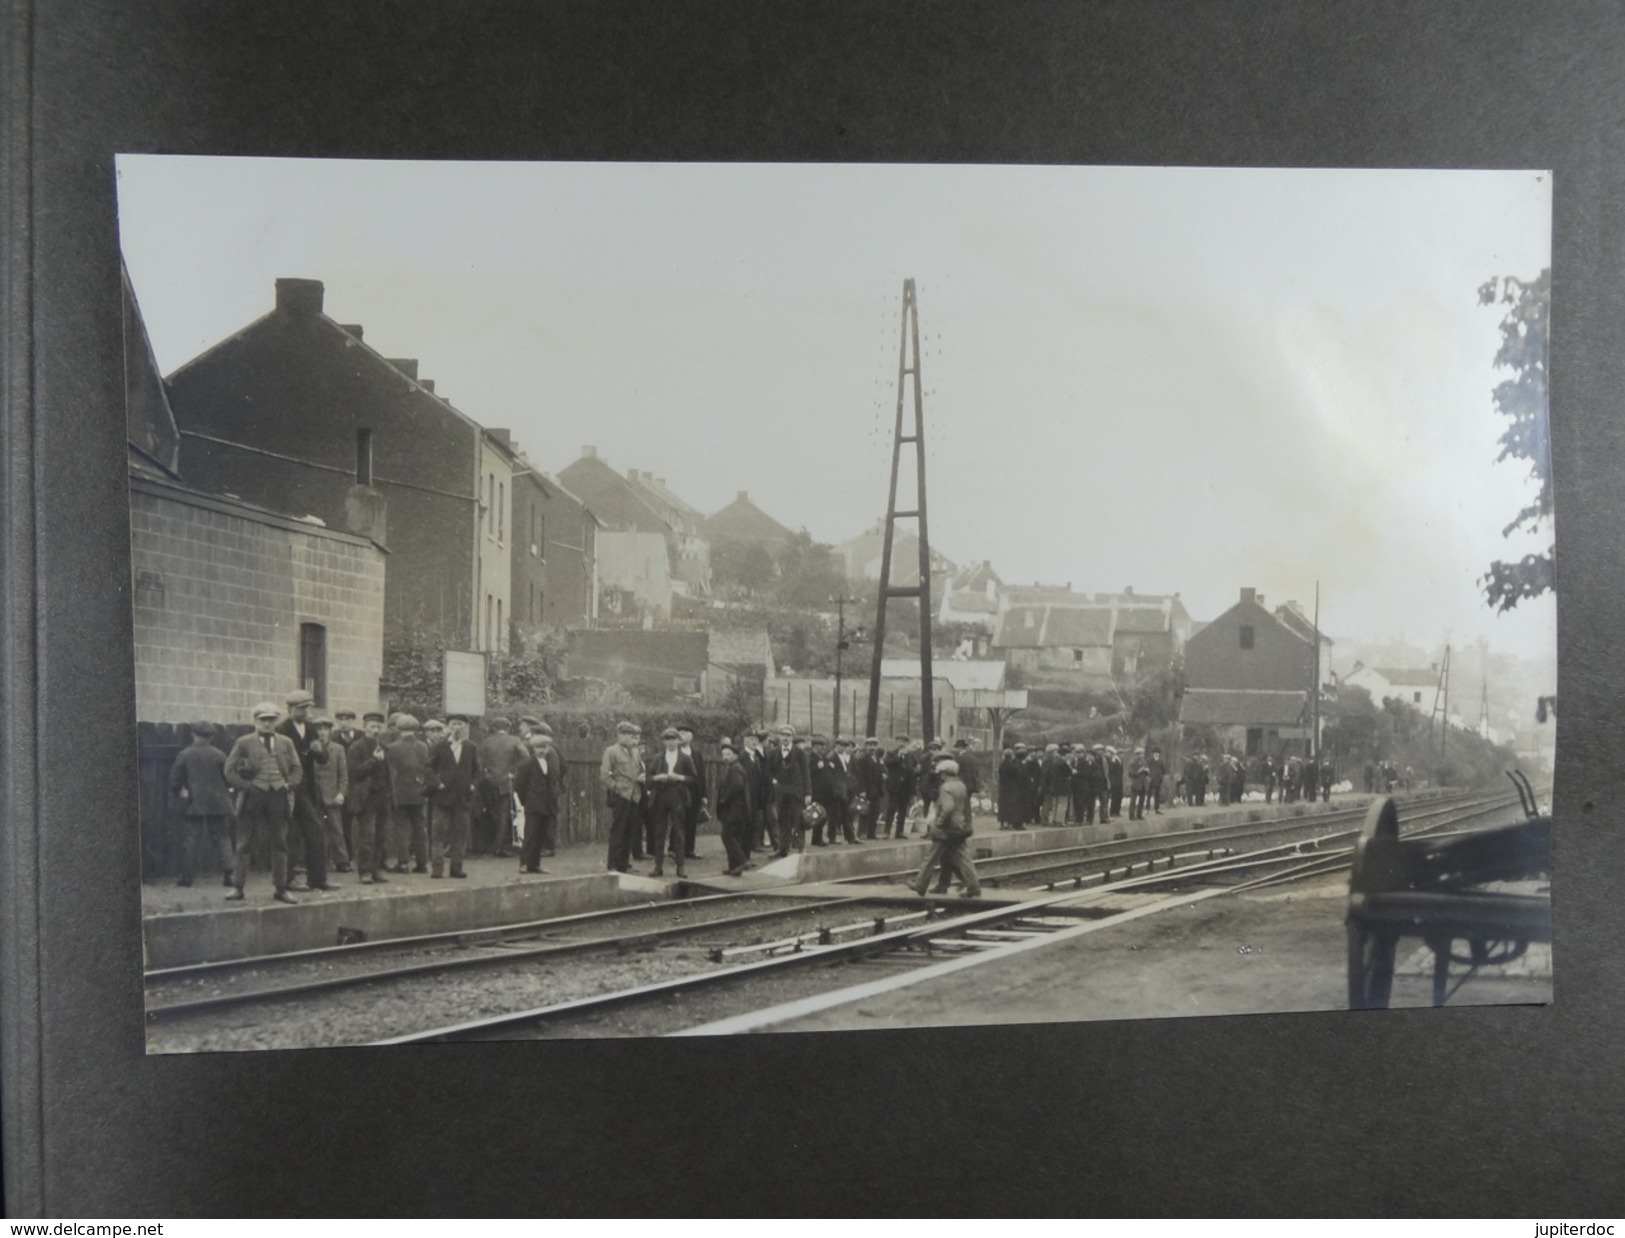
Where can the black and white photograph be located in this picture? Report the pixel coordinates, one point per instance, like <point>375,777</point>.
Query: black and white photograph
<point>687,599</point>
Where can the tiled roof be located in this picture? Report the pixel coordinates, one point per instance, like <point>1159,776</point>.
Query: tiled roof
<point>744,521</point>
<point>1241,707</point>
<point>1141,619</point>
<point>1078,626</point>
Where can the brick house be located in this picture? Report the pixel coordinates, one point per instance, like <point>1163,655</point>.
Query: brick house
<point>744,522</point>
<point>553,578</point>
<point>296,413</point>
<point>972,596</point>
<point>1249,675</point>
<point>639,549</point>
<point>233,602</point>
<point>1069,644</point>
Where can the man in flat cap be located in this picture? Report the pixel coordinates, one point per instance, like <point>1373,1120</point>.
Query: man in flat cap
<point>733,809</point>
<point>789,770</point>
<point>538,783</point>
<point>900,779</point>
<point>672,780</point>
<point>345,732</point>
<point>869,786</point>
<point>501,755</point>
<point>824,776</point>
<point>753,760</point>
<point>409,787</point>
<point>620,773</point>
<point>264,770</point>
<point>332,785</point>
<point>696,800</point>
<point>950,832</point>
<point>454,772</point>
<point>308,842</point>
<point>198,781</point>
<point>370,799</point>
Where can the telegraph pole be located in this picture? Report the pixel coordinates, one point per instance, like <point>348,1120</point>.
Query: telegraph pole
<point>908,373</point>
<point>840,647</point>
<point>1314,686</point>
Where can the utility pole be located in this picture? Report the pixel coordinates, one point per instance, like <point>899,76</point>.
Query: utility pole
<point>1314,684</point>
<point>841,644</point>
<point>1441,703</point>
<point>908,368</point>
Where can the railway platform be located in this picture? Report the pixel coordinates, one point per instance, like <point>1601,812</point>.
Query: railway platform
<point>184,925</point>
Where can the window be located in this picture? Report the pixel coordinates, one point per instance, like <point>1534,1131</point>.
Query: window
<point>502,502</point>
<point>1416,698</point>
<point>1077,655</point>
<point>541,601</point>
<point>1246,636</point>
<point>490,503</point>
<point>363,457</point>
<point>1255,740</point>
<point>499,625</point>
<point>313,661</point>
<point>490,611</point>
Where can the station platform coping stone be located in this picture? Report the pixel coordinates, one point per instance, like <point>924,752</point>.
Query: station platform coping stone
<point>194,924</point>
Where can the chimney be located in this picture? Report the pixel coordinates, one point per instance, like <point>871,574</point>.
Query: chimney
<point>744,496</point>
<point>631,474</point>
<point>406,365</point>
<point>299,296</point>
<point>589,453</point>
<point>427,384</point>
<point>1249,595</point>
<point>660,481</point>
<point>1128,591</point>
<point>354,328</point>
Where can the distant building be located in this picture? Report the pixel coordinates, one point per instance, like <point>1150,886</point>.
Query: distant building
<point>861,557</point>
<point>235,603</point>
<point>744,522</point>
<point>1416,686</point>
<point>637,581</point>
<point>296,413</point>
<point>1089,640</point>
<point>554,577</point>
<point>1250,675</point>
<point>972,596</point>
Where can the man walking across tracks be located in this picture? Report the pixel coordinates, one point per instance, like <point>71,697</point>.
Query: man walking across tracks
<point>620,774</point>
<point>369,800</point>
<point>264,770</point>
<point>198,781</point>
<point>951,832</point>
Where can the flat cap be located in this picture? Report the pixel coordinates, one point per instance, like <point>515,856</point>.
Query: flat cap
<point>727,745</point>
<point>300,698</point>
<point>786,729</point>
<point>528,720</point>
<point>266,709</point>
<point>342,714</point>
<point>947,765</point>
<point>204,729</point>
<point>375,716</point>
<point>405,722</point>
<point>669,733</point>
<point>463,718</point>
<point>434,724</point>
<point>626,728</point>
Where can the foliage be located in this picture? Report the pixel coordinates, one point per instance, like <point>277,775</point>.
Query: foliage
<point>742,568</point>
<point>810,573</point>
<point>1153,701</point>
<point>1522,400</point>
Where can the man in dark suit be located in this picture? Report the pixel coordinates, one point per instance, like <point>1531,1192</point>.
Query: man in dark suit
<point>454,772</point>
<point>264,771</point>
<point>845,780</point>
<point>537,784</point>
<point>826,790</point>
<point>753,760</point>
<point>306,818</point>
<point>733,809</point>
<point>787,769</point>
<point>697,799</point>
<point>900,778</point>
<point>369,799</point>
<point>672,781</point>
<point>409,786</point>
<point>869,786</point>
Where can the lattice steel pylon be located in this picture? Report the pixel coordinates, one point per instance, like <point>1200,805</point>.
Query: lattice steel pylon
<point>908,368</point>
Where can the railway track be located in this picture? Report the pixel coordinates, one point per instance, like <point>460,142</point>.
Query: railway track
<point>628,968</point>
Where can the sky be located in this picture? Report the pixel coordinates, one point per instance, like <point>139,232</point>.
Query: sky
<point>1176,379</point>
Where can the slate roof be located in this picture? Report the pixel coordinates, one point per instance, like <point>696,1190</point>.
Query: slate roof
<point>1142,619</point>
<point>612,498</point>
<point>1242,707</point>
<point>1054,627</point>
<point>743,521</point>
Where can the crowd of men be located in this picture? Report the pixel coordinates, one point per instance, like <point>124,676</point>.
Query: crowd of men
<point>1067,784</point>
<point>321,796</point>
<point>774,789</point>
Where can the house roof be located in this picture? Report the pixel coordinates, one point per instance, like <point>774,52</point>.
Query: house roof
<point>153,437</point>
<point>1409,676</point>
<point>976,576</point>
<point>1033,594</point>
<point>1142,619</point>
<point>1241,707</point>
<point>743,521</point>
<point>863,554</point>
<point>1078,626</point>
<point>1054,627</point>
<point>1299,623</point>
<point>967,676</point>
<point>612,498</point>
<point>660,497</point>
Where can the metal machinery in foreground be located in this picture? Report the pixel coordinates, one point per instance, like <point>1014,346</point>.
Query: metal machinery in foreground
<point>1445,888</point>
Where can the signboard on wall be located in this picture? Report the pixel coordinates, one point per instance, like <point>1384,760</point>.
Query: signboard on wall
<point>465,683</point>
